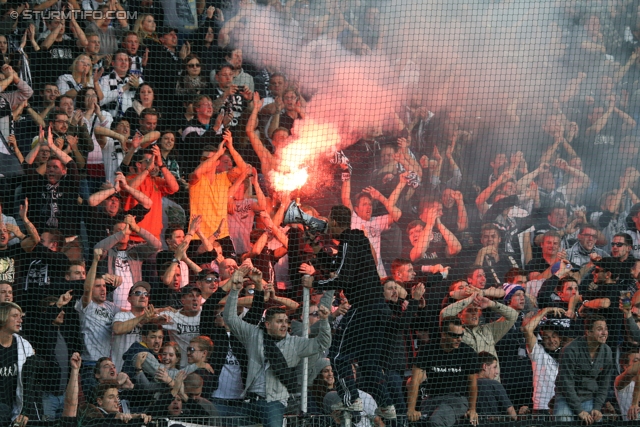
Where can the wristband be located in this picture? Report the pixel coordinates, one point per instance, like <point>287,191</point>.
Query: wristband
<point>346,176</point>
<point>175,260</point>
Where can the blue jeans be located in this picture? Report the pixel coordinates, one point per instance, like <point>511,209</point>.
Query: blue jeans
<point>269,414</point>
<point>563,412</point>
<point>227,408</point>
<point>52,406</point>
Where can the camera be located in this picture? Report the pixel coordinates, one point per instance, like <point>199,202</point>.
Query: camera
<point>241,89</point>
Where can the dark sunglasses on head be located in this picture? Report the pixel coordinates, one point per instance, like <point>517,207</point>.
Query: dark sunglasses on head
<point>618,244</point>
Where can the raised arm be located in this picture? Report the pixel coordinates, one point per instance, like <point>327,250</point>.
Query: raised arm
<point>529,327</point>
<point>210,164</point>
<point>71,394</point>
<point>33,237</point>
<point>264,155</point>
<point>91,278</point>
<point>485,195</point>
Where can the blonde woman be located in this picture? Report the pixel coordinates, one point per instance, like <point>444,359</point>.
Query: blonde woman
<point>145,26</point>
<point>81,76</point>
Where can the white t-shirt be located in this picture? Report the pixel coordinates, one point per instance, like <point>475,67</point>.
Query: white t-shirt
<point>121,293</point>
<point>624,397</point>
<point>240,224</point>
<point>121,343</point>
<point>230,381</point>
<point>545,371</point>
<point>95,324</point>
<point>369,410</point>
<point>95,155</point>
<point>182,329</point>
<point>372,229</point>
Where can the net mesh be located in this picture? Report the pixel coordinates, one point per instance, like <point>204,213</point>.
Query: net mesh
<point>359,212</point>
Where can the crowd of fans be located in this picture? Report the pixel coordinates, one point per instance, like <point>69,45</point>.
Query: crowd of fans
<point>149,267</point>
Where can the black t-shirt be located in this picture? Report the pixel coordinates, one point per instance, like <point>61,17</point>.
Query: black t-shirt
<point>536,265</point>
<point>492,398</point>
<point>8,265</point>
<point>447,373</point>
<point>44,271</point>
<point>8,373</point>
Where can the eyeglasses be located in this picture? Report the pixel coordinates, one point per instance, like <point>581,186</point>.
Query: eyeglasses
<point>140,294</point>
<point>62,121</point>
<point>593,236</point>
<point>193,65</point>
<point>618,244</point>
<point>192,350</point>
<point>454,335</point>
<point>314,314</point>
<point>211,279</point>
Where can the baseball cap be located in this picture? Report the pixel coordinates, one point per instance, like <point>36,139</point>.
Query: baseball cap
<point>140,284</point>
<point>188,289</point>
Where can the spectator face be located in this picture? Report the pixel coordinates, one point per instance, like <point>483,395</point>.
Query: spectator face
<point>235,59</point>
<point>176,239</point>
<point>225,164</point>
<point>107,371</point>
<point>170,40</point>
<point>83,65</point>
<point>478,279</point>
<point>470,316</point>
<point>452,338</point>
<point>576,163</point>
<point>99,292</point>
<point>55,171</point>
<point>364,208</point>
<point>598,333</point>
<point>619,248</point>
<point>279,138</point>
<point>93,45</point>
<point>146,95</point>
<point>391,291</point>
<point>139,298</point>
<point>414,234</point>
<point>195,353</point>
<point>148,24</point>
<point>90,99</point>
<point>490,238</point>
<point>4,46</point>
<point>550,246</point>
<point>290,99</point>
<point>75,272</point>
<point>517,301</point>
<point>48,242</point>
<point>66,105</point>
<point>175,407</point>
<point>546,181</point>
<point>121,64</point>
<point>405,273</point>
<point>490,370</point>
<point>558,218</point>
<point>55,23</point>
<point>131,44</point>
<point>569,289</point>
<point>14,321</point>
<point>61,124</point>
<point>148,124</point>
<point>600,275</point>
<point>224,77</point>
<point>110,401</point>
<point>177,279</point>
<point>4,237</point>
<point>277,86</point>
<point>43,155</point>
<point>112,206</point>
<point>278,326</point>
<point>447,198</point>
<point>209,284</point>
<point>499,161</point>
<point>168,356</point>
<point>191,302</point>
<point>123,128</point>
<point>327,376</point>
<point>635,271</point>
<point>550,340</point>
<point>50,94</point>
<point>313,314</point>
<point>387,155</point>
<point>587,238</point>
<point>125,238</point>
<point>193,67</point>
<point>227,268</point>
<point>6,293</point>
<point>204,109</point>
<point>144,163</point>
<point>153,341</point>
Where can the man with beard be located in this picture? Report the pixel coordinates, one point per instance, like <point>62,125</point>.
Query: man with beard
<point>584,374</point>
<point>585,248</point>
<point>544,357</point>
<point>621,251</point>
<point>141,359</point>
<point>491,257</point>
<point>184,325</point>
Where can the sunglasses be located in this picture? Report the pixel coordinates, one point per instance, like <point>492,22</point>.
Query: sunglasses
<point>454,335</point>
<point>192,350</point>
<point>211,280</point>
<point>617,244</point>
<point>140,294</point>
<point>193,65</point>
<point>314,314</point>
